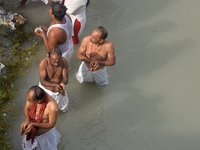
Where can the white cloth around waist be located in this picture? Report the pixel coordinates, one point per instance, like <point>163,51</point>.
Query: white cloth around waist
<point>45,141</point>
<point>85,75</point>
<point>62,101</point>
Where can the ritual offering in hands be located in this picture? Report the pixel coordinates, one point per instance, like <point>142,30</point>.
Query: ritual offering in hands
<point>38,29</point>
<point>62,91</point>
<point>93,67</point>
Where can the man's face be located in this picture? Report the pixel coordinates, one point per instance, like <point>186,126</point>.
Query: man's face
<point>95,37</point>
<point>50,11</point>
<point>55,60</point>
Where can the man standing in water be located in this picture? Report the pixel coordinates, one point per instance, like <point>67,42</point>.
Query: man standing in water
<point>59,32</point>
<point>53,71</point>
<point>41,112</point>
<point>96,52</point>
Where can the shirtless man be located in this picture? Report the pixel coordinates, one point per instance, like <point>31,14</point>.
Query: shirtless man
<point>59,32</point>
<point>53,71</point>
<point>96,52</point>
<point>41,112</point>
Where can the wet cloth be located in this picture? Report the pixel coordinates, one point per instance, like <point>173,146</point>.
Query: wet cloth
<point>85,75</point>
<point>44,141</point>
<point>67,48</point>
<point>76,10</point>
<point>62,101</point>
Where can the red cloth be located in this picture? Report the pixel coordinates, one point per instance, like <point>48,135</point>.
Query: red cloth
<point>63,2</point>
<point>32,114</point>
<point>77,26</point>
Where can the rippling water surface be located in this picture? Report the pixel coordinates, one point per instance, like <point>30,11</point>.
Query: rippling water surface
<point>152,99</point>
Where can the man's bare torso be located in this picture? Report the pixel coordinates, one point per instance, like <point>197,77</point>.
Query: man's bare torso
<point>53,75</point>
<point>45,117</point>
<point>99,53</point>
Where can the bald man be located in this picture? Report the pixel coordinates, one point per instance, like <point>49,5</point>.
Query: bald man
<point>96,52</point>
<point>41,112</point>
<point>53,71</point>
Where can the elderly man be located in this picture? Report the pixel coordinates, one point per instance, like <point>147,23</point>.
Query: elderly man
<point>96,52</point>
<point>41,112</point>
<point>53,71</point>
<point>59,32</point>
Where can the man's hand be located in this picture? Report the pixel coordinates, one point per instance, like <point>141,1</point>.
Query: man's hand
<point>23,127</point>
<point>57,88</point>
<point>93,64</point>
<point>62,85</point>
<point>44,28</point>
<point>40,33</point>
<point>29,128</point>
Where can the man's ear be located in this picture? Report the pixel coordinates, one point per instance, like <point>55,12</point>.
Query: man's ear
<point>101,41</point>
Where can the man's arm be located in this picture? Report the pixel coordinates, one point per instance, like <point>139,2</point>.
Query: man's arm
<point>82,49</point>
<point>43,73</point>
<point>111,56</point>
<point>53,39</point>
<point>64,73</point>
<point>27,117</point>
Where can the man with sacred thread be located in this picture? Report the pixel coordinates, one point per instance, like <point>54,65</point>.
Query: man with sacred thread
<point>41,112</point>
<point>53,72</point>
<point>96,52</point>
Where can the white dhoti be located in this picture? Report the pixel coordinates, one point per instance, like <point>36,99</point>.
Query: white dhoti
<point>76,10</point>
<point>68,54</point>
<point>85,75</point>
<point>45,141</point>
<point>62,101</point>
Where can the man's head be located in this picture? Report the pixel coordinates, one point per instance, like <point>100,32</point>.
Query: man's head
<point>99,35</point>
<point>35,94</point>
<point>57,10</point>
<point>55,56</point>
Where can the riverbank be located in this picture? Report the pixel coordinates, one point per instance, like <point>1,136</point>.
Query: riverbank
<point>17,48</point>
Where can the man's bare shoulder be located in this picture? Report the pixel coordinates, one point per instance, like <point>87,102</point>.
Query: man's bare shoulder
<point>55,31</point>
<point>86,39</point>
<point>64,62</point>
<point>44,61</point>
<point>52,104</point>
<point>109,44</point>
